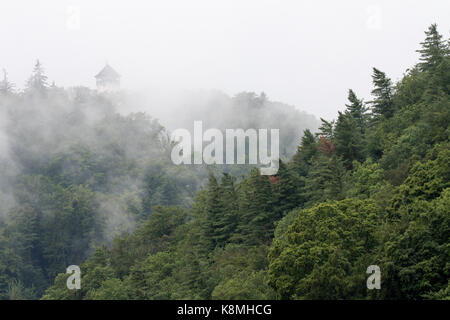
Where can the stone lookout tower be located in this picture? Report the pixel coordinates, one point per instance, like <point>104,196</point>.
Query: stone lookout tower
<point>108,80</point>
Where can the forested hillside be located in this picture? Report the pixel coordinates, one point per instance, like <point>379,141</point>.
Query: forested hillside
<point>369,188</point>
<point>75,173</point>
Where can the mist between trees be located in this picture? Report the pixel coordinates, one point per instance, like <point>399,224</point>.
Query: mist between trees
<point>76,169</point>
<point>84,183</point>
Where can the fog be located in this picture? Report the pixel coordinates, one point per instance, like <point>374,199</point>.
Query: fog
<point>83,164</point>
<point>304,53</point>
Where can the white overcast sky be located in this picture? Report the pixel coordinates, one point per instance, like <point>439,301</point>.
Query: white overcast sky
<point>304,53</point>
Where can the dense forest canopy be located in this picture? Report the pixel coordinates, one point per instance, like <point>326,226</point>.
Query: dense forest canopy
<point>83,185</point>
<point>75,172</point>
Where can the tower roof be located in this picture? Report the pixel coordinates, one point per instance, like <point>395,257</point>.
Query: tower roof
<point>107,73</point>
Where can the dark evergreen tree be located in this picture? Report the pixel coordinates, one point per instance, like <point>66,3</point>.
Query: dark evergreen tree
<point>348,139</point>
<point>285,190</point>
<point>220,209</point>
<point>357,110</point>
<point>325,180</point>
<point>214,213</point>
<point>256,213</point>
<point>326,129</point>
<point>382,105</point>
<point>302,159</point>
<point>433,50</point>
<point>226,223</point>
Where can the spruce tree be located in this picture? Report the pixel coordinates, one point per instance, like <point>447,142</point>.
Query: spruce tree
<point>219,206</point>
<point>256,213</point>
<point>357,109</point>
<point>326,129</point>
<point>214,211</point>
<point>348,139</point>
<point>6,87</point>
<point>433,50</point>
<point>286,190</point>
<point>305,153</point>
<point>325,180</point>
<point>227,222</point>
<point>38,80</point>
<point>382,105</point>
<point>302,162</point>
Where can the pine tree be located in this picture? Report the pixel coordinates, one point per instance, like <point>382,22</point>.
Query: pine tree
<point>256,213</point>
<point>227,222</point>
<point>357,110</point>
<point>348,139</point>
<point>286,191</point>
<point>305,153</point>
<point>302,162</point>
<point>434,49</point>
<point>214,212</point>
<point>325,180</point>
<point>38,80</point>
<point>335,179</point>
<point>326,129</point>
<point>382,105</point>
<point>219,206</point>
<point>6,87</point>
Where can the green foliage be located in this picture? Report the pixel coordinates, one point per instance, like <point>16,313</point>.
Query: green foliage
<point>326,130</point>
<point>256,212</point>
<point>382,105</point>
<point>111,289</point>
<point>370,188</point>
<point>325,252</point>
<point>434,49</point>
<point>244,286</point>
<point>416,258</point>
<point>240,272</point>
<point>348,139</point>
<point>325,181</point>
<point>357,110</point>
<point>59,290</point>
<point>367,179</point>
<point>286,192</point>
<point>425,181</point>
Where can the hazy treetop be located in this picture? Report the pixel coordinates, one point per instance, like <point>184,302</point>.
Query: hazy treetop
<point>305,53</point>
